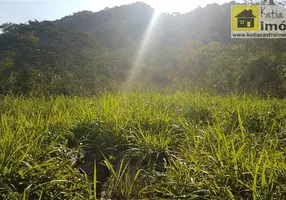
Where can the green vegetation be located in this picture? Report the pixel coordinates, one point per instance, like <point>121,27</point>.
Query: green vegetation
<point>143,145</point>
<point>211,125</point>
<point>88,53</point>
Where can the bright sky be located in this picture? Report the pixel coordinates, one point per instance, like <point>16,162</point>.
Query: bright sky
<point>23,10</point>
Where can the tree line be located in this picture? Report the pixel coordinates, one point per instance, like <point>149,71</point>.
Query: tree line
<point>87,53</point>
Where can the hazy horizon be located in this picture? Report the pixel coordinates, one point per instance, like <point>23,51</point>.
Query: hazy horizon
<point>21,11</point>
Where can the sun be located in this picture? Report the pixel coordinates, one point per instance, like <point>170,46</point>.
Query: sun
<point>172,6</point>
<point>161,6</point>
<point>168,6</point>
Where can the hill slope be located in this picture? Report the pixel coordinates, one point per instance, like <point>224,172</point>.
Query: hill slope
<point>88,52</point>
<point>122,26</point>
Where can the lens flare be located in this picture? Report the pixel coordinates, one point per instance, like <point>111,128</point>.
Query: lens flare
<point>147,42</point>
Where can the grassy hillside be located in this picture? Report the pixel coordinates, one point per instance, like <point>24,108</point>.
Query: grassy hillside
<point>143,145</point>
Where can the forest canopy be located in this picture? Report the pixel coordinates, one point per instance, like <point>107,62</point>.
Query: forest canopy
<point>89,52</point>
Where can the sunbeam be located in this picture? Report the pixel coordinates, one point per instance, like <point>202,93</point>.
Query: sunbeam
<point>149,34</point>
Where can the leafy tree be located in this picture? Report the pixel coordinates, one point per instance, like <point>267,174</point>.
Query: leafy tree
<point>89,52</point>
<point>43,57</point>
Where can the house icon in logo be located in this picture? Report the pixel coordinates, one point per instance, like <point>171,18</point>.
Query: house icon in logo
<point>245,19</point>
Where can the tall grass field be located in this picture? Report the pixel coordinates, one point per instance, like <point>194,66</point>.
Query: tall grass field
<point>142,145</point>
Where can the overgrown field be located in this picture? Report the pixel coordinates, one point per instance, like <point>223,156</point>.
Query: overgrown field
<point>143,146</point>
